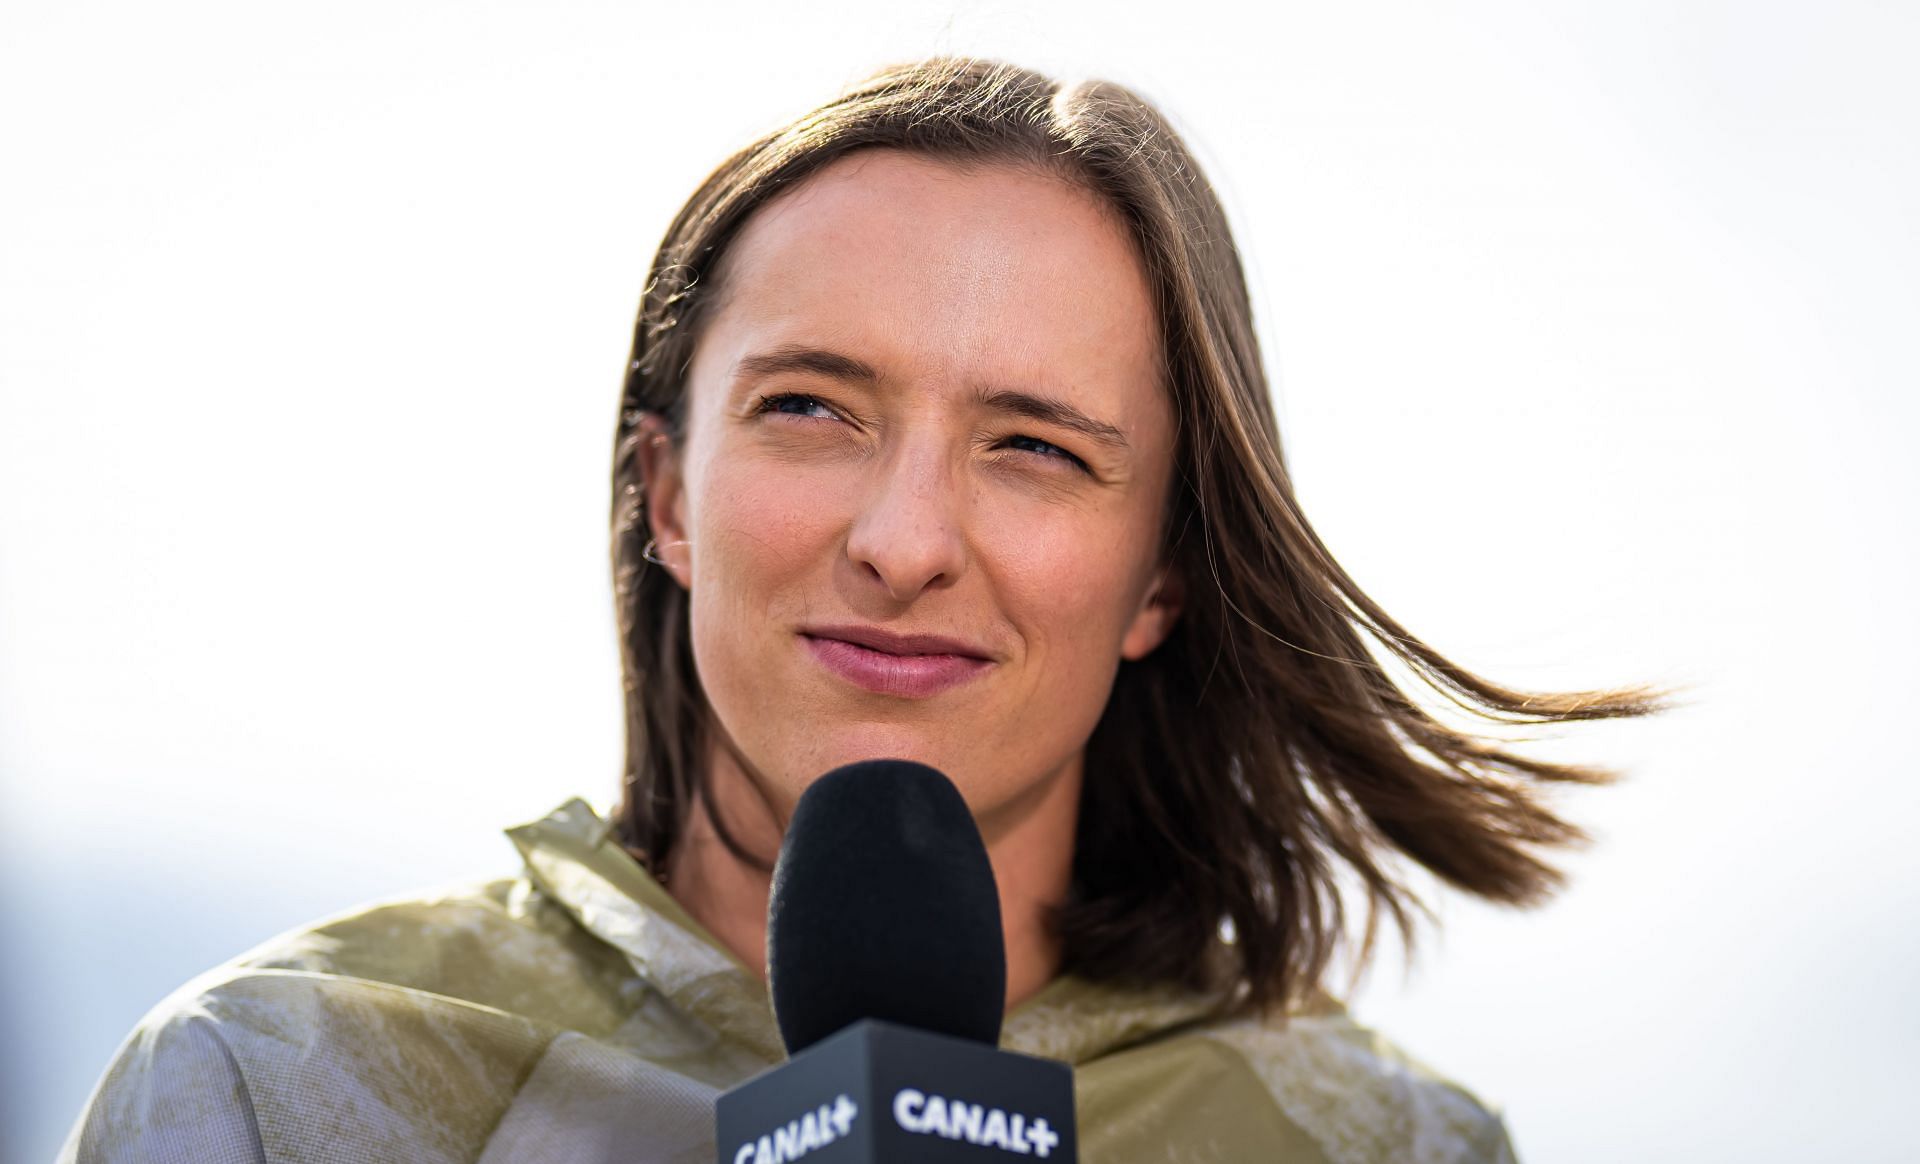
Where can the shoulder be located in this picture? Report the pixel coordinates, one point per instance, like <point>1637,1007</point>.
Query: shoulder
<point>1360,1096</point>
<point>172,1093</point>
<point>495,943</point>
<point>457,990</point>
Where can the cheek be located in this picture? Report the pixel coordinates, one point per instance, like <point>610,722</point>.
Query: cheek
<point>758,537</point>
<point>754,526</point>
<point>1070,586</point>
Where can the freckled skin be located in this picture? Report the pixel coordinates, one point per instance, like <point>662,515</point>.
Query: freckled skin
<point>906,504</point>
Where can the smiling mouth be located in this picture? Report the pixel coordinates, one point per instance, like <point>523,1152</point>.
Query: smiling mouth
<point>909,675</point>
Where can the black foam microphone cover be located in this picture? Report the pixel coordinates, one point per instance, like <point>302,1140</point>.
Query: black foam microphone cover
<point>884,907</point>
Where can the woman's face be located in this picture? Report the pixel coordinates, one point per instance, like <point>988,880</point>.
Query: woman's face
<point>926,457</point>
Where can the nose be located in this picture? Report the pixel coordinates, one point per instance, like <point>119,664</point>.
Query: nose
<point>909,534</point>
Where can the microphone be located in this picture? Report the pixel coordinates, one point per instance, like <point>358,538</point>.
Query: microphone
<point>888,974</point>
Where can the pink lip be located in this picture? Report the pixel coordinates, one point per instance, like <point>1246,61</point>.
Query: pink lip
<point>912,666</point>
<point>897,644</point>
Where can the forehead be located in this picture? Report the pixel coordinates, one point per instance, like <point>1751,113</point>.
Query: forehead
<point>932,268</point>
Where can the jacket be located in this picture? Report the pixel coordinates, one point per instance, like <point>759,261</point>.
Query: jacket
<point>576,1013</point>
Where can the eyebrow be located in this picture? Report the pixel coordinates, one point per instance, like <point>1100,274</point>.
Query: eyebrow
<point>837,366</point>
<point>1047,410</point>
<point>800,358</point>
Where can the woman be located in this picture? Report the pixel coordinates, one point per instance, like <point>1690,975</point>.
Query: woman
<point>945,437</point>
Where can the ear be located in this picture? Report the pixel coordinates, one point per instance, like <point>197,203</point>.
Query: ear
<point>664,493</point>
<point>1153,622</point>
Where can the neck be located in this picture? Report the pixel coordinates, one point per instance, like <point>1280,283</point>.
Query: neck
<point>1029,842</point>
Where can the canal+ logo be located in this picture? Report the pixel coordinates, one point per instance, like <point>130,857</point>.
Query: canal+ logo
<point>816,1129</point>
<point>989,1127</point>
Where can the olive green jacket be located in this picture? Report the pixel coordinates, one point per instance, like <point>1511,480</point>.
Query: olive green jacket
<point>577,1013</point>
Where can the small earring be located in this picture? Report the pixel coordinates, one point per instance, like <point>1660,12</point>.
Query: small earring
<point>649,551</point>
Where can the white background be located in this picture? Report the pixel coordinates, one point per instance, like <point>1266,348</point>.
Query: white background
<point>1592,328</point>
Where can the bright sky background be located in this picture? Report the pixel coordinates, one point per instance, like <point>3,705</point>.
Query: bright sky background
<point>1592,328</point>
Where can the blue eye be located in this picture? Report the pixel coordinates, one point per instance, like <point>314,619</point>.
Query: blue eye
<point>1045,449</point>
<point>793,404</point>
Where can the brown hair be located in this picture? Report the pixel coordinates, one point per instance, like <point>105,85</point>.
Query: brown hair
<point>1261,748</point>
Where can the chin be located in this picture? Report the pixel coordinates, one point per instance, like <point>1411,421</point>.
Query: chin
<point>852,743</point>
